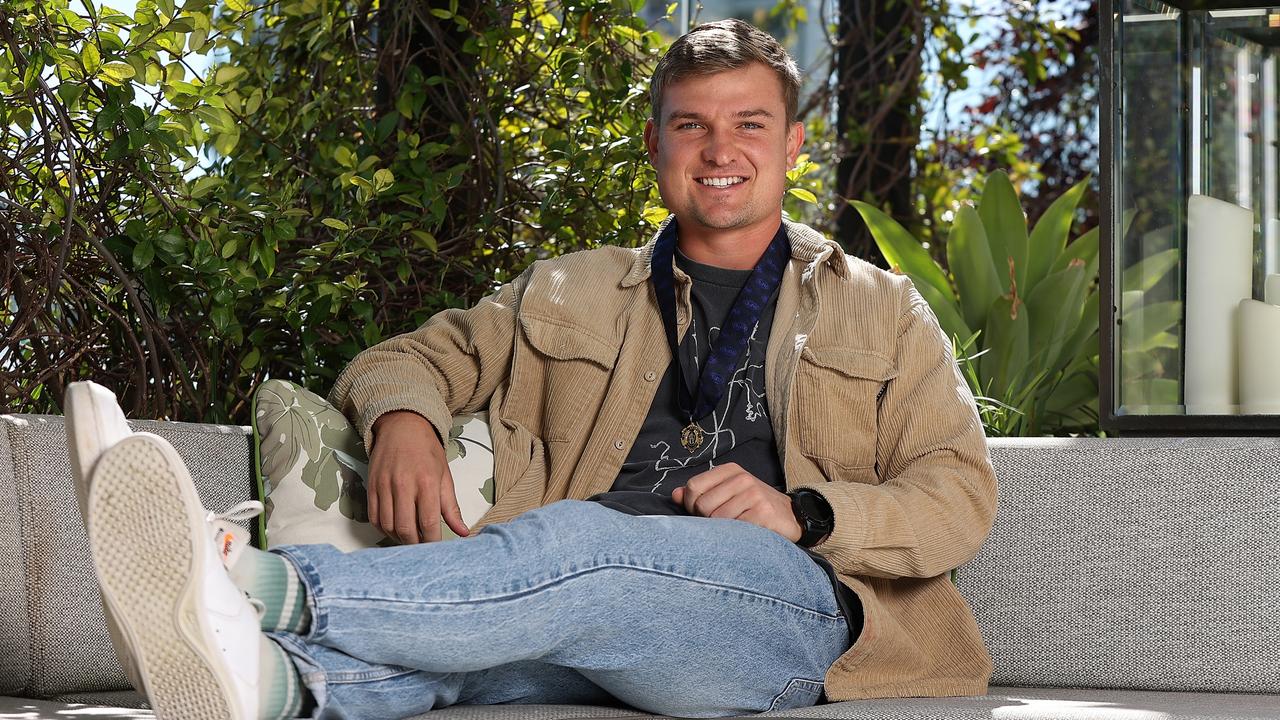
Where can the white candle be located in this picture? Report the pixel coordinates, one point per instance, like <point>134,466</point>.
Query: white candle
<point>1259,357</point>
<point>1219,276</point>
<point>1272,290</point>
<point>1273,245</point>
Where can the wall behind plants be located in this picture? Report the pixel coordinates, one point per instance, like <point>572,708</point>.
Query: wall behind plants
<point>180,230</point>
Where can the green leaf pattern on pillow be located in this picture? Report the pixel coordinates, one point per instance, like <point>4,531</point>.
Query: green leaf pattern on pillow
<point>310,455</point>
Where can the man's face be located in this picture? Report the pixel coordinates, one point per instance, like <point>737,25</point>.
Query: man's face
<point>722,149</point>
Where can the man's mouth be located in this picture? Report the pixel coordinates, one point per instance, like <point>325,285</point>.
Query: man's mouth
<point>721,181</point>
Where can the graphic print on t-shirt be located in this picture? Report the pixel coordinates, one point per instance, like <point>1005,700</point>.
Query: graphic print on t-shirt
<point>744,398</point>
<point>737,431</point>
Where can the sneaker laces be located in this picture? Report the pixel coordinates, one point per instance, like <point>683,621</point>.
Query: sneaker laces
<point>258,606</point>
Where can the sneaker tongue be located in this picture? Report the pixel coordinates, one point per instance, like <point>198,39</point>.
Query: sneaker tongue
<point>229,540</point>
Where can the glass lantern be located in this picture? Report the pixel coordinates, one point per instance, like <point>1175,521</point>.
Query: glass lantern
<point>1190,236</point>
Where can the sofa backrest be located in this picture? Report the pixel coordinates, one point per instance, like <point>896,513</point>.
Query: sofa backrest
<point>53,639</point>
<point>1133,563</point>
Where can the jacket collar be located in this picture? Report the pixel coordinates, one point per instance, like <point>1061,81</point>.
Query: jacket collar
<point>807,246</point>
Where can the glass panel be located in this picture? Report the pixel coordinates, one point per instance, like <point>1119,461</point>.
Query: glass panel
<point>1197,222</point>
<point>1151,180</point>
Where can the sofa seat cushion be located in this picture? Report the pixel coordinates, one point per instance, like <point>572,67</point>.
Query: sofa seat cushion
<point>1002,703</point>
<point>1006,703</point>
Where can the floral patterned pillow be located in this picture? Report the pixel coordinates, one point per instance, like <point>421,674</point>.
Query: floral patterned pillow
<point>312,469</point>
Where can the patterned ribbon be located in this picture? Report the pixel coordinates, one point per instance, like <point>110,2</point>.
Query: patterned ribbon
<point>728,348</point>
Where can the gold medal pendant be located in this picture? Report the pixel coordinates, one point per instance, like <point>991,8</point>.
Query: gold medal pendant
<point>691,437</point>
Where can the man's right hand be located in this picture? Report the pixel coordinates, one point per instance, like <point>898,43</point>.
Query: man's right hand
<point>410,487</point>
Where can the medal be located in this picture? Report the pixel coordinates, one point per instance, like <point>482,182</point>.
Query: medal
<point>691,437</point>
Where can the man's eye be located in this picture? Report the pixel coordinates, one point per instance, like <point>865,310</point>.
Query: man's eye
<point>688,125</point>
<point>752,126</point>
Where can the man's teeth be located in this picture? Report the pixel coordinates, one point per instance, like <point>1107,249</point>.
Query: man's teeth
<point>722,182</point>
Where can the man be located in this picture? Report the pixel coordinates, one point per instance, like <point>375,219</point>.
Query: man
<point>769,517</point>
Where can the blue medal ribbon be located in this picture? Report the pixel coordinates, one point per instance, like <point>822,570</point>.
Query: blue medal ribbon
<point>729,346</point>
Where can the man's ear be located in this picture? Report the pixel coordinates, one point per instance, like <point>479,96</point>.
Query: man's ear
<point>795,139</point>
<point>651,139</point>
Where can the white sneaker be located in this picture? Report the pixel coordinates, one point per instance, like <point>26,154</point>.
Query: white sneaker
<point>94,423</point>
<point>191,634</point>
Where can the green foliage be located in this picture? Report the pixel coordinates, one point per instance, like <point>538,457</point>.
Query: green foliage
<point>1015,305</point>
<point>185,229</point>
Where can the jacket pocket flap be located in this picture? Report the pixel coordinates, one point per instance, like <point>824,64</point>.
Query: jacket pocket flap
<point>851,362</point>
<point>563,342</point>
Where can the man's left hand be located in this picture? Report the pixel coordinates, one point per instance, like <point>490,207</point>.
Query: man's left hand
<point>728,491</point>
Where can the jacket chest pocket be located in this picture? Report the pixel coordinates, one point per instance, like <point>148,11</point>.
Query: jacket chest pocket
<point>557,387</point>
<point>836,399</point>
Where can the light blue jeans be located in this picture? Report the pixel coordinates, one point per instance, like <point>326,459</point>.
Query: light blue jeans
<point>570,603</point>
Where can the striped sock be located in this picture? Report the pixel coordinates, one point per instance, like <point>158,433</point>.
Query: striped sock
<point>272,581</point>
<point>280,689</point>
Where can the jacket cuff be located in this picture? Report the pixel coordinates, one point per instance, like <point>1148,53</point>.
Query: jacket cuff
<point>435,413</point>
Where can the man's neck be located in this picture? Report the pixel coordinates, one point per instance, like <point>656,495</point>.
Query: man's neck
<point>730,249</point>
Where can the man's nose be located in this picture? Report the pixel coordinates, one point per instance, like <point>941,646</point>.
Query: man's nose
<point>718,149</point>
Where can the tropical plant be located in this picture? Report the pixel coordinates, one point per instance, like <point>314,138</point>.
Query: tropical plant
<point>1148,328</point>
<point>1024,303</point>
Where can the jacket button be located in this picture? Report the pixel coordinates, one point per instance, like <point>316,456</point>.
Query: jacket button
<point>650,376</point>
<point>617,444</point>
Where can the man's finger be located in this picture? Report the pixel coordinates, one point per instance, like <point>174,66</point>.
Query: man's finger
<point>386,510</point>
<point>429,507</point>
<point>710,501</point>
<point>406,516</point>
<point>371,505</point>
<point>734,507</point>
<point>449,506</point>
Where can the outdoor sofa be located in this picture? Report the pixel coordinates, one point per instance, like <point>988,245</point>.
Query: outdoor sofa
<point>1125,579</point>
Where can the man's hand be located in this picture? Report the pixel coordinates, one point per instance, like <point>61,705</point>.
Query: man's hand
<point>410,487</point>
<point>728,491</point>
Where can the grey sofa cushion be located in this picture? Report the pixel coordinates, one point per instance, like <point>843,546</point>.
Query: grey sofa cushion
<point>1133,563</point>
<point>53,634</point>
<point>1002,703</point>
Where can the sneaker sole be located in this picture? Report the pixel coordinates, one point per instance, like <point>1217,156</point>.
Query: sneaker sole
<point>141,536</point>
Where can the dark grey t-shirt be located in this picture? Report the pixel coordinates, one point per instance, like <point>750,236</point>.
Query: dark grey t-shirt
<point>738,430</point>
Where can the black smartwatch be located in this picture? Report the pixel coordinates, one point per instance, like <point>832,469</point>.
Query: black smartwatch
<point>814,514</point>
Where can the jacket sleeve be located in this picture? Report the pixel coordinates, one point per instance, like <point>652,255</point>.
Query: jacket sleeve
<point>451,364</point>
<point>937,498</point>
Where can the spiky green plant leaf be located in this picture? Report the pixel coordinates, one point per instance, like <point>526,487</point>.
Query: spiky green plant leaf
<point>969,257</point>
<point>1006,227</point>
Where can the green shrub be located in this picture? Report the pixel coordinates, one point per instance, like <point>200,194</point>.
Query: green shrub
<point>183,233</point>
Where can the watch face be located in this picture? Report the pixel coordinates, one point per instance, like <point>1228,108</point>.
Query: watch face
<point>815,510</point>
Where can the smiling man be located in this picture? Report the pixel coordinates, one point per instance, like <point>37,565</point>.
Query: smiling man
<point>733,468</point>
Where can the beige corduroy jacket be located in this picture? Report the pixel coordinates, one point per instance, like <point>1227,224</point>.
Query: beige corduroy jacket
<point>868,409</point>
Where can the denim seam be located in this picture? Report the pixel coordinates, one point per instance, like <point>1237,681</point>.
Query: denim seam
<point>560,579</point>
<point>794,683</point>
<point>310,578</point>
<point>352,677</point>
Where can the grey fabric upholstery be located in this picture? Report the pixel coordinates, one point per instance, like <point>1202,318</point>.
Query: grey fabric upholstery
<point>1002,703</point>
<point>15,635</point>
<point>1133,563</point>
<point>56,632</point>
